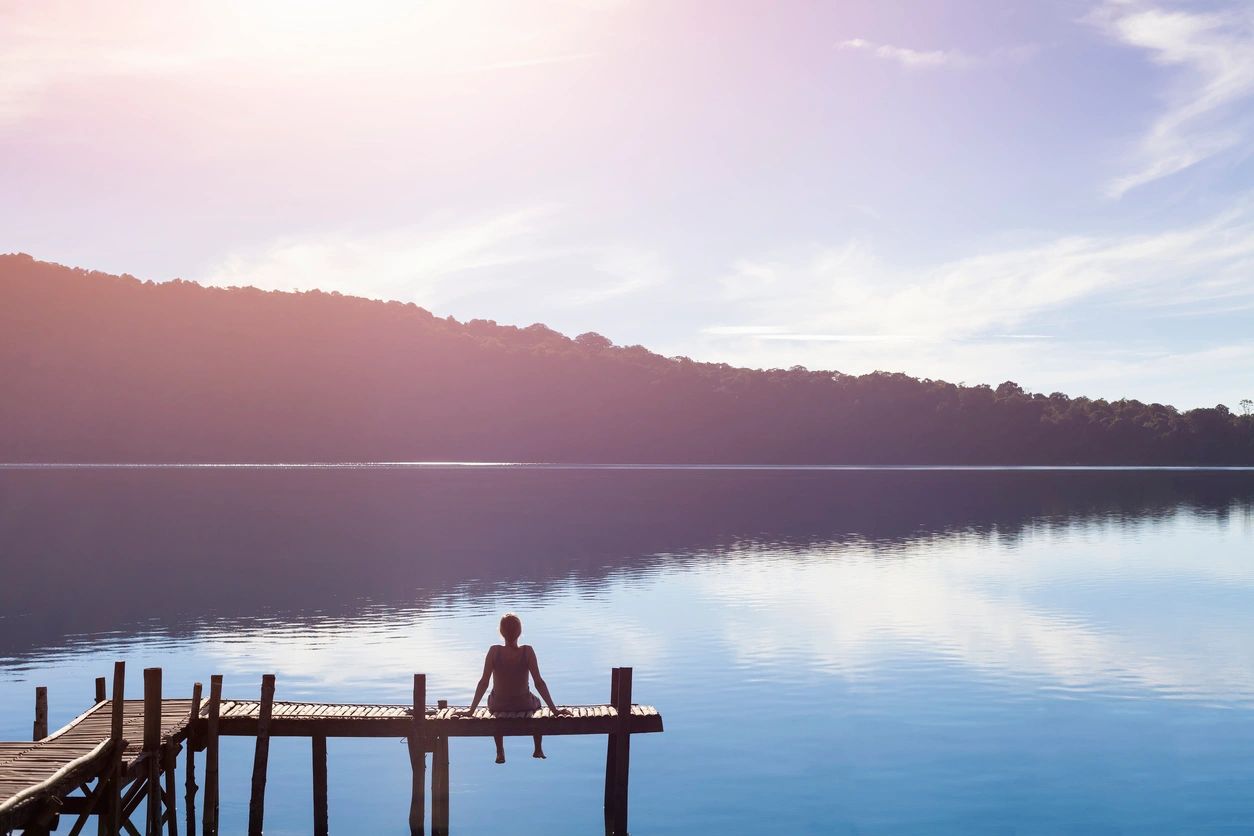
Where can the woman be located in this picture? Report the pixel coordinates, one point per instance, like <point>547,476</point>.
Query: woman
<point>508,666</point>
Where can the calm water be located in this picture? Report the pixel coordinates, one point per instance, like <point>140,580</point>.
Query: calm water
<point>834,651</point>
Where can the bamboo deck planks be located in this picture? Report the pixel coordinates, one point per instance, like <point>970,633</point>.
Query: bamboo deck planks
<point>482,719</point>
<point>75,753</point>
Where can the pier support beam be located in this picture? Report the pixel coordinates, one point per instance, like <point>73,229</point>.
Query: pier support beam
<point>418,759</point>
<point>41,713</point>
<point>261,758</point>
<point>209,822</point>
<point>111,822</point>
<point>439,782</point>
<point>618,754</point>
<point>320,823</point>
<point>190,785</point>
<point>169,761</point>
<point>152,748</point>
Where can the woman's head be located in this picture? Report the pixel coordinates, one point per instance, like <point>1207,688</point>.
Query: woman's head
<point>511,627</point>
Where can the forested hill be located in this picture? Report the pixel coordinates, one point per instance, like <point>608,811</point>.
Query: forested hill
<point>101,368</point>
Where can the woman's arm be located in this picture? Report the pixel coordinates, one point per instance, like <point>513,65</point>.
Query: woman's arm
<point>534,666</point>
<point>482,687</point>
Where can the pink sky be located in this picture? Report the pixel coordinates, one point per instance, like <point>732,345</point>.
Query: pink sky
<point>1053,193</point>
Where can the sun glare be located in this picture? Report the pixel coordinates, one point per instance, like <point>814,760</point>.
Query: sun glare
<point>435,36</point>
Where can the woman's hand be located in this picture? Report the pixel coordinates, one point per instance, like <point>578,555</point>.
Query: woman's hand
<point>563,712</point>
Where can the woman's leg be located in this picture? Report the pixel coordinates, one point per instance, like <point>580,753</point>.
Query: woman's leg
<point>500,748</point>
<point>536,706</point>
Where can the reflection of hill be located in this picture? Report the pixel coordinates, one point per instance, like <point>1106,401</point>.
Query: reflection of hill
<point>86,552</point>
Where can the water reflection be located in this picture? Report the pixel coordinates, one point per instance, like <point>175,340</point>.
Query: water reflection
<point>137,551</point>
<point>896,652</point>
<point>1046,608</point>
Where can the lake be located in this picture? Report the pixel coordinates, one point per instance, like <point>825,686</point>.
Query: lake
<point>834,651</point>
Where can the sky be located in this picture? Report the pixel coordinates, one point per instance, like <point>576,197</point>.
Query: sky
<point>1055,192</point>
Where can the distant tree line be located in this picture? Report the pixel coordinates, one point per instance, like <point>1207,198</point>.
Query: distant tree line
<point>110,368</point>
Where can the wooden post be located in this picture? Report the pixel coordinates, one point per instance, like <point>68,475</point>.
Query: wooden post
<point>119,700</point>
<point>261,758</point>
<point>622,751</point>
<point>190,784</point>
<point>209,824</point>
<point>439,783</point>
<point>41,713</point>
<point>152,747</point>
<point>418,759</point>
<point>610,750</point>
<point>320,785</point>
<point>112,820</point>
<point>101,689</point>
<point>169,761</point>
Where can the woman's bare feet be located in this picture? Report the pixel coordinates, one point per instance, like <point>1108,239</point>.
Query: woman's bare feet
<point>539,753</point>
<point>500,757</point>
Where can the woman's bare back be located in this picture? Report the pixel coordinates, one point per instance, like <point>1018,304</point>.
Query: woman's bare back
<point>511,672</point>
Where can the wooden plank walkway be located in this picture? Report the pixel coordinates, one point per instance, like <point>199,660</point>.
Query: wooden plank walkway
<point>308,719</point>
<point>77,753</point>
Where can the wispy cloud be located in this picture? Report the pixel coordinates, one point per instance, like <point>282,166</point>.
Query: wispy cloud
<point>775,332</point>
<point>936,58</point>
<point>848,292</point>
<point>1214,50</point>
<point>617,272</point>
<point>840,338</point>
<point>441,262</point>
<point>428,262</point>
<point>907,57</point>
<point>1147,365</point>
<point>742,330</point>
<point>993,315</point>
<point>910,58</point>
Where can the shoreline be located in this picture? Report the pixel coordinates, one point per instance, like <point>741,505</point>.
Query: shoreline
<point>441,465</point>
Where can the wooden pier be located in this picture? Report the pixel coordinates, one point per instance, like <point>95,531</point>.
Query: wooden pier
<point>116,761</point>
